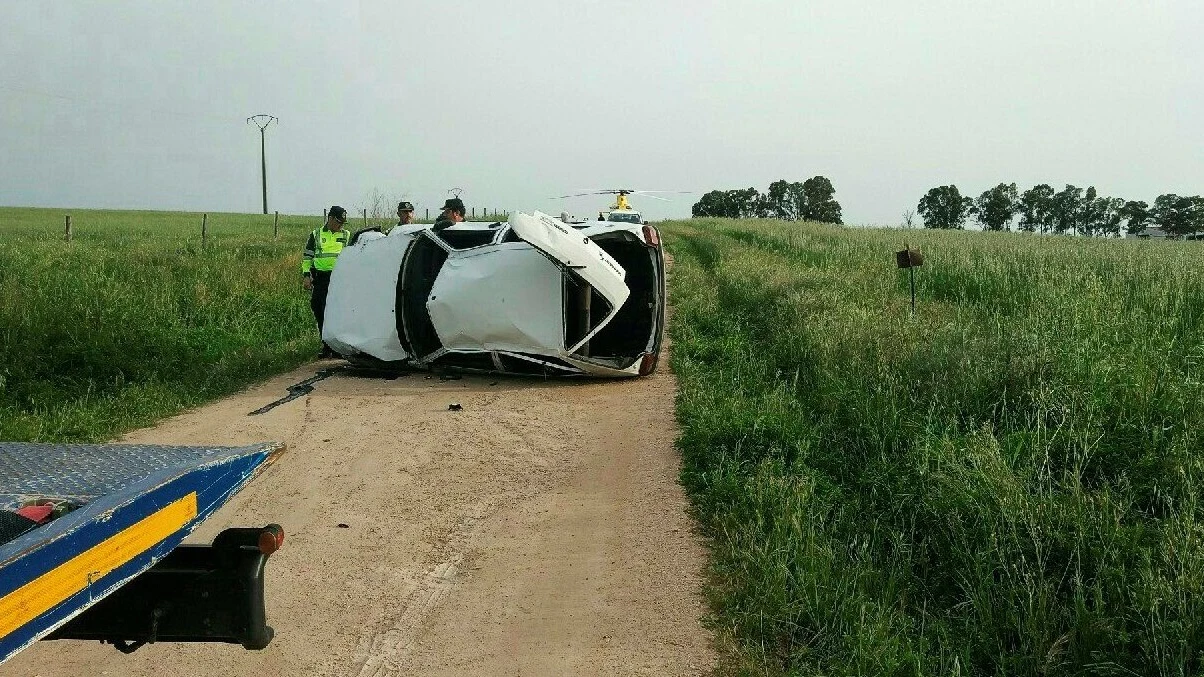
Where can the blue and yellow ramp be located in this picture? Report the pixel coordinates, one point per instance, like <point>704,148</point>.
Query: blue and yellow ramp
<point>133,504</point>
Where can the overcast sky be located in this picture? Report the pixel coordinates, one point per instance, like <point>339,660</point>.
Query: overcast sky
<point>143,104</point>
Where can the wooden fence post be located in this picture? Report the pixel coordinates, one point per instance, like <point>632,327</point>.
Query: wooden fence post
<point>365,217</point>
<point>323,216</point>
<point>67,219</point>
<point>276,226</point>
<point>428,214</point>
<point>204,229</point>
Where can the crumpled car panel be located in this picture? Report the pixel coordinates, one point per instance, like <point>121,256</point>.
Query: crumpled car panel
<point>509,298</point>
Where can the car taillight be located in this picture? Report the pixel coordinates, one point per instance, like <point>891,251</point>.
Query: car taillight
<point>648,364</point>
<point>651,236</point>
<point>271,538</point>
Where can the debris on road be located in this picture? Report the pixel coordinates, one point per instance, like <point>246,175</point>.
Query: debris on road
<point>300,389</point>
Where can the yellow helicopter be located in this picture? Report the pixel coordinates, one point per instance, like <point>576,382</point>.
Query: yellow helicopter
<point>622,211</point>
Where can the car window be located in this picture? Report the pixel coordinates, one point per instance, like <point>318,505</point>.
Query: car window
<point>621,217</point>
<point>584,310</point>
<point>466,239</point>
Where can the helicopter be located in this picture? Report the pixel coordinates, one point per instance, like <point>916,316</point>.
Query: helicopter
<point>622,211</point>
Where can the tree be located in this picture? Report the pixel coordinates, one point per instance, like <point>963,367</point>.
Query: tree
<point>378,204</point>
<point>1087,221</point>
<point>1136,214</point>
<point>746,203</point>
<point>730,204</point>
<point>1178,215</point>
<point>1197,222</point>
<point>996,207</point>
<point>1035,207</point>
<point>1111,215</point>
<point>1098,214</point>
<point>821,204</point>
<point>813,199</point>
<point>1065,209</point>
<point>944,207</point>
<point>713,204</point>
<point>786,200</point>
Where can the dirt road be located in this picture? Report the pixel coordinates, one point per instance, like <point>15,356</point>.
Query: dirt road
<point>539,531</point>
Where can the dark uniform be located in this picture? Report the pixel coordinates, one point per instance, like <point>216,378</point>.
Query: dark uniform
<point>403,207</point>
<point>317,262</point>
<point>406,208</point>
<point>445,220</point>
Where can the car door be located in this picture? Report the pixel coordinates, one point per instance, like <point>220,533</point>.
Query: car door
<point>577,255</point>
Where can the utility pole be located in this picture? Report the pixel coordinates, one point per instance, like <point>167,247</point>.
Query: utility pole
<point>262,120</point>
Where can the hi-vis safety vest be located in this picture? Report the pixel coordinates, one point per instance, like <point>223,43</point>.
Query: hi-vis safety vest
<point>322,249</point>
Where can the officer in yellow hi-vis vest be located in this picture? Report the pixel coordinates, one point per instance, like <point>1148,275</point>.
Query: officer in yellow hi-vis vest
<point>321,251</point>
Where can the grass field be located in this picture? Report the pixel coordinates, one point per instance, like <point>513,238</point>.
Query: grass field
<point>1007,484</point>
<point>133,320</point>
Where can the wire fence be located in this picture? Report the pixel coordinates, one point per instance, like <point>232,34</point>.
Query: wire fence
<point>473,214</point>
<point>93,221</point>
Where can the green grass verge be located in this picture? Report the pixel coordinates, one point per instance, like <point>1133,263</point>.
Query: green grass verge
<point>133,321</point>
<point>1007,484</point>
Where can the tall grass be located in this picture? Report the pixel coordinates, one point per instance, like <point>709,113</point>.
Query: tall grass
<point>133,319</point>
<point>1009,483</point>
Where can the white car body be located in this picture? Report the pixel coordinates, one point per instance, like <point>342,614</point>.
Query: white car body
<point>532,296</point>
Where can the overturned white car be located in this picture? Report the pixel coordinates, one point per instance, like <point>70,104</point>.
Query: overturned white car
<point>532,296</point>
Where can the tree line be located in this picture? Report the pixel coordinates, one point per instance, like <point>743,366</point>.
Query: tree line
<point>810,200</point>
<point>1070,210</point>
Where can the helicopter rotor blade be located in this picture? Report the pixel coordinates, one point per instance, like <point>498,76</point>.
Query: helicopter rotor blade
<point>624,191</point>
<point>591,192</point>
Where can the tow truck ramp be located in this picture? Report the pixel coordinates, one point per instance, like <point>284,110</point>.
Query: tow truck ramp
<point>91,545</point>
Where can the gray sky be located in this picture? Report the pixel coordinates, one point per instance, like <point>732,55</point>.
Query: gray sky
<point>143,104</point>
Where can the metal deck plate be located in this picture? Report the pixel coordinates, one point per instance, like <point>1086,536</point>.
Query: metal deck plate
<point>81,472</point>
<point>121,486</point>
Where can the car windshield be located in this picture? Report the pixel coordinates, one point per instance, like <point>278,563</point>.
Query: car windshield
<point>624,217</point>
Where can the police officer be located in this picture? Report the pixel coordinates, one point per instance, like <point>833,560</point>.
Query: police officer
<point>405,213</point>
<point>453,213</point>
<point>405,216</point>
<point>317,262</point>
